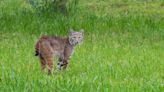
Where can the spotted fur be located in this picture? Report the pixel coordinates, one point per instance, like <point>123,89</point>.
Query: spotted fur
<point>47,47</point>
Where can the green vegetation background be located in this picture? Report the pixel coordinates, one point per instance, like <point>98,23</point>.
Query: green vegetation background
<point>123,50</point>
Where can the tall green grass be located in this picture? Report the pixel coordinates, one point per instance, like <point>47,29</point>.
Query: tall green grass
<point>123,49</point>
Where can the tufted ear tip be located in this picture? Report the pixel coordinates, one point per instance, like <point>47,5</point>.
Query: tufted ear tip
<point>71,30</point>
<point>82,30</point>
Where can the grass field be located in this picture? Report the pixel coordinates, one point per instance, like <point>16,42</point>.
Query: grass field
<point>123,50</point>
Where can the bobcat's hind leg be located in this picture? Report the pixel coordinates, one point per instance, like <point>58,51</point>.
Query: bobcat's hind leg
<point>42,62</point>
<point>48,55</point>
<point>49,60</point>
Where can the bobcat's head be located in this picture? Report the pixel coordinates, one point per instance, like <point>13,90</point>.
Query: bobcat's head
<point>76,37</point>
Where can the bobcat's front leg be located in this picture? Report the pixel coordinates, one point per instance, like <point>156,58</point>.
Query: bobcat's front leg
<point>65,64</point>
<point>60,63</point>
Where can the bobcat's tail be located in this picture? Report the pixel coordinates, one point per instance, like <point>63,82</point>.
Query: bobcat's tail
<point>37,49</point>
<point>36,53</point>
<point>37,46</point>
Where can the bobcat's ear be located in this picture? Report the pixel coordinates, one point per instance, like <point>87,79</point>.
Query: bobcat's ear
<point>71,30</point>
<point>82,31</point>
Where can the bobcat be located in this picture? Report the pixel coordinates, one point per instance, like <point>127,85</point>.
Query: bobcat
<point>49,46</point>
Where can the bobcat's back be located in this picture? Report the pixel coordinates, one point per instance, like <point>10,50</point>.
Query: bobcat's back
<point>49,43</point>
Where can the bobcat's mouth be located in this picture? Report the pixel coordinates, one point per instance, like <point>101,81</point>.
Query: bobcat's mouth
<point>73,42</point>
<point>76,43</point>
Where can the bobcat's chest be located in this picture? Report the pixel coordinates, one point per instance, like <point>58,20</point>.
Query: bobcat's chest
<point>72,51</point>
<point>68,51</point>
